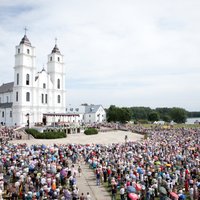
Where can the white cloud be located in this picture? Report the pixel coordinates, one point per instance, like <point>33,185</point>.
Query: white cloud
<point>116,52</point>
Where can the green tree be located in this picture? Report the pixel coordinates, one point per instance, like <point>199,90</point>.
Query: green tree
<point>153,116</point>
<point>166,118</point>
<point>163,112</point>
<point>124,115</point>
<point>178,115</point>
<point>116,114</point>
<point>140,112</point>
<point>112,114</point>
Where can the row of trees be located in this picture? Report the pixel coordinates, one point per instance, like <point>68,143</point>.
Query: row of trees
<point>178,115</point>
<point>116,114</point>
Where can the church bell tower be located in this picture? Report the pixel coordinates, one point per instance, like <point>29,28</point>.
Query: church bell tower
<point>24,71</point>
<point>55,68</point>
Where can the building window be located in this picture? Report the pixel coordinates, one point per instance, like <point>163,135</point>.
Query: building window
<point>71,109</point>
<point>0,99</point>
<point>50,58</point>
<point>28,51</point>
<point>10,114</point>
<point>28,96</point>
<point>7,99</point>
<point>58,83</point>
<point>42,98</point>
<point>18,50</point>
<point>46,101</point>
<point>17,78</point>
<point>16,96</point>
<point>44,85</point>
<point>2,113</point>
<point>58,98</point>
<point>89,115</point>
<point>58,59</point>
<point>27,79</point>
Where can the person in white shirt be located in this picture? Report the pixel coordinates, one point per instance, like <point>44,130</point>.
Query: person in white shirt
<point>191,192</point>
<point>122,192</point>
<point>88,197</point>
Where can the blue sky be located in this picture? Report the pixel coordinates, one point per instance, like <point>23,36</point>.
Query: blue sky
<point>127,53</point>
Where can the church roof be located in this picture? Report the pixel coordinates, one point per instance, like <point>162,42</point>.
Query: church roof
<point>6,87</point>
<point>55,49</point>
<point>92,108</point>
<point>25,40</point>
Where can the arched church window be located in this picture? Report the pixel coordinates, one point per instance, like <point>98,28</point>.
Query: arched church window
<point>42,98</point>
<point>28,51</point>
<point>58,98</point>
<point>17,96</point>
<point>58,83</point>
<point>28,96</point>
<point>46,98</point>
<point>3,114</point>
<point>58,59</point>
<point>50,58</point>
<point>18,50</point>
<point>17,78</point>
<point>27,79</point>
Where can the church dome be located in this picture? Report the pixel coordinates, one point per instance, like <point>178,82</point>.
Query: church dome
<point>25,40</point>
<point>55,50</point>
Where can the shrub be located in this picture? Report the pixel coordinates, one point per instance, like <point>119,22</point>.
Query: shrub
<point>143,121</point>
<point>91,131</point>
<point>46,134</point>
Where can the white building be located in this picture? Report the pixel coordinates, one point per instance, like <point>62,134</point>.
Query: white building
<point>88,114</point>
<point>33,93</point>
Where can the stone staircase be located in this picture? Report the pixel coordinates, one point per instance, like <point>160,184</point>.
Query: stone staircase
<point>25,136</point>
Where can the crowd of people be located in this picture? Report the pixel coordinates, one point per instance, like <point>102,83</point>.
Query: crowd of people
<point>39,172</point>
<point>166,165</point>
<point>7,134</point>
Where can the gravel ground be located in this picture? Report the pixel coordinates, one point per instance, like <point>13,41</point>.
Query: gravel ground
<point>80,138</point>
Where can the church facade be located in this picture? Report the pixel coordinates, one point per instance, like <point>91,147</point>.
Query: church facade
<point>32,94</point>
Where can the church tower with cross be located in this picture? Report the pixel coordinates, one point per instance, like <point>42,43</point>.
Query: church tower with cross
<point>24,78</point>
<point>35,94</point>
<point>55,68</point>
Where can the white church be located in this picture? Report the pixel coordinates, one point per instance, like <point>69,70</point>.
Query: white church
<point>40,97</point>
<point>32,94</point>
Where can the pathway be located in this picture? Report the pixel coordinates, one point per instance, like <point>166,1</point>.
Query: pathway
<point>87,183</point>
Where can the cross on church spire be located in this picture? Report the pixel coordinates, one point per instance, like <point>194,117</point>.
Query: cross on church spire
<point>55,49</point>
<point>25,29</point>
<point>25,40</point>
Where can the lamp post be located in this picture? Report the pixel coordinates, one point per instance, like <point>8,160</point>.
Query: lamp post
<point>54,120</point>
<point>28,124</point>
<point>126,138</point>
